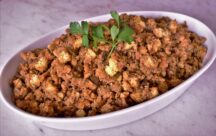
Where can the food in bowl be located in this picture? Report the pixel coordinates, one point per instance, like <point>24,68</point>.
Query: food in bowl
<point>97,68</point>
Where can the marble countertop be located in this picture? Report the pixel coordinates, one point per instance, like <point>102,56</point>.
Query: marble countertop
<point>193,114</point>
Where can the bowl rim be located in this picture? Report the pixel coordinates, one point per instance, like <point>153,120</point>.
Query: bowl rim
<point>114,113</point>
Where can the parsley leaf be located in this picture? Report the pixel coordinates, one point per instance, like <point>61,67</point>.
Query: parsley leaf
<point>97,35</point>
<point>96,40</point>
<point>115,16</point>
<point>114,32</point>
<point>75,28</point>
<point>98,31</point>
<point>85,40</point>
<point>126,34</point>
<point>85,27</point>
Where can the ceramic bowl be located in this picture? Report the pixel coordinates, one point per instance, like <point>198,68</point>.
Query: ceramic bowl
<point>118,117</point>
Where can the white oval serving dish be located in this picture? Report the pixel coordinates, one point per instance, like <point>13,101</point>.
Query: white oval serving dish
<point>118,117</point>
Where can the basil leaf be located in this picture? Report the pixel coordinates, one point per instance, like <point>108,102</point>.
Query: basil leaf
<point>115,15</point>
<point>126,34</point>
<point>85,27</point>
<point>75,28</point>
<point>114,32</point>
<point>85,40</point>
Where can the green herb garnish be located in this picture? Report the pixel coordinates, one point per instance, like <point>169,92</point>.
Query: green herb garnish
<point>119,33</point>
<point>97,35</point>
<point>115,16</point>
<point>75,28</point>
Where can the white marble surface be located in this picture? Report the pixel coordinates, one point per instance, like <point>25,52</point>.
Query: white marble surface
<point>193,114</point>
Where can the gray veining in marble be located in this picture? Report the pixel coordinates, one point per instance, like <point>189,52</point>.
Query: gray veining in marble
<point>22,21</point>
